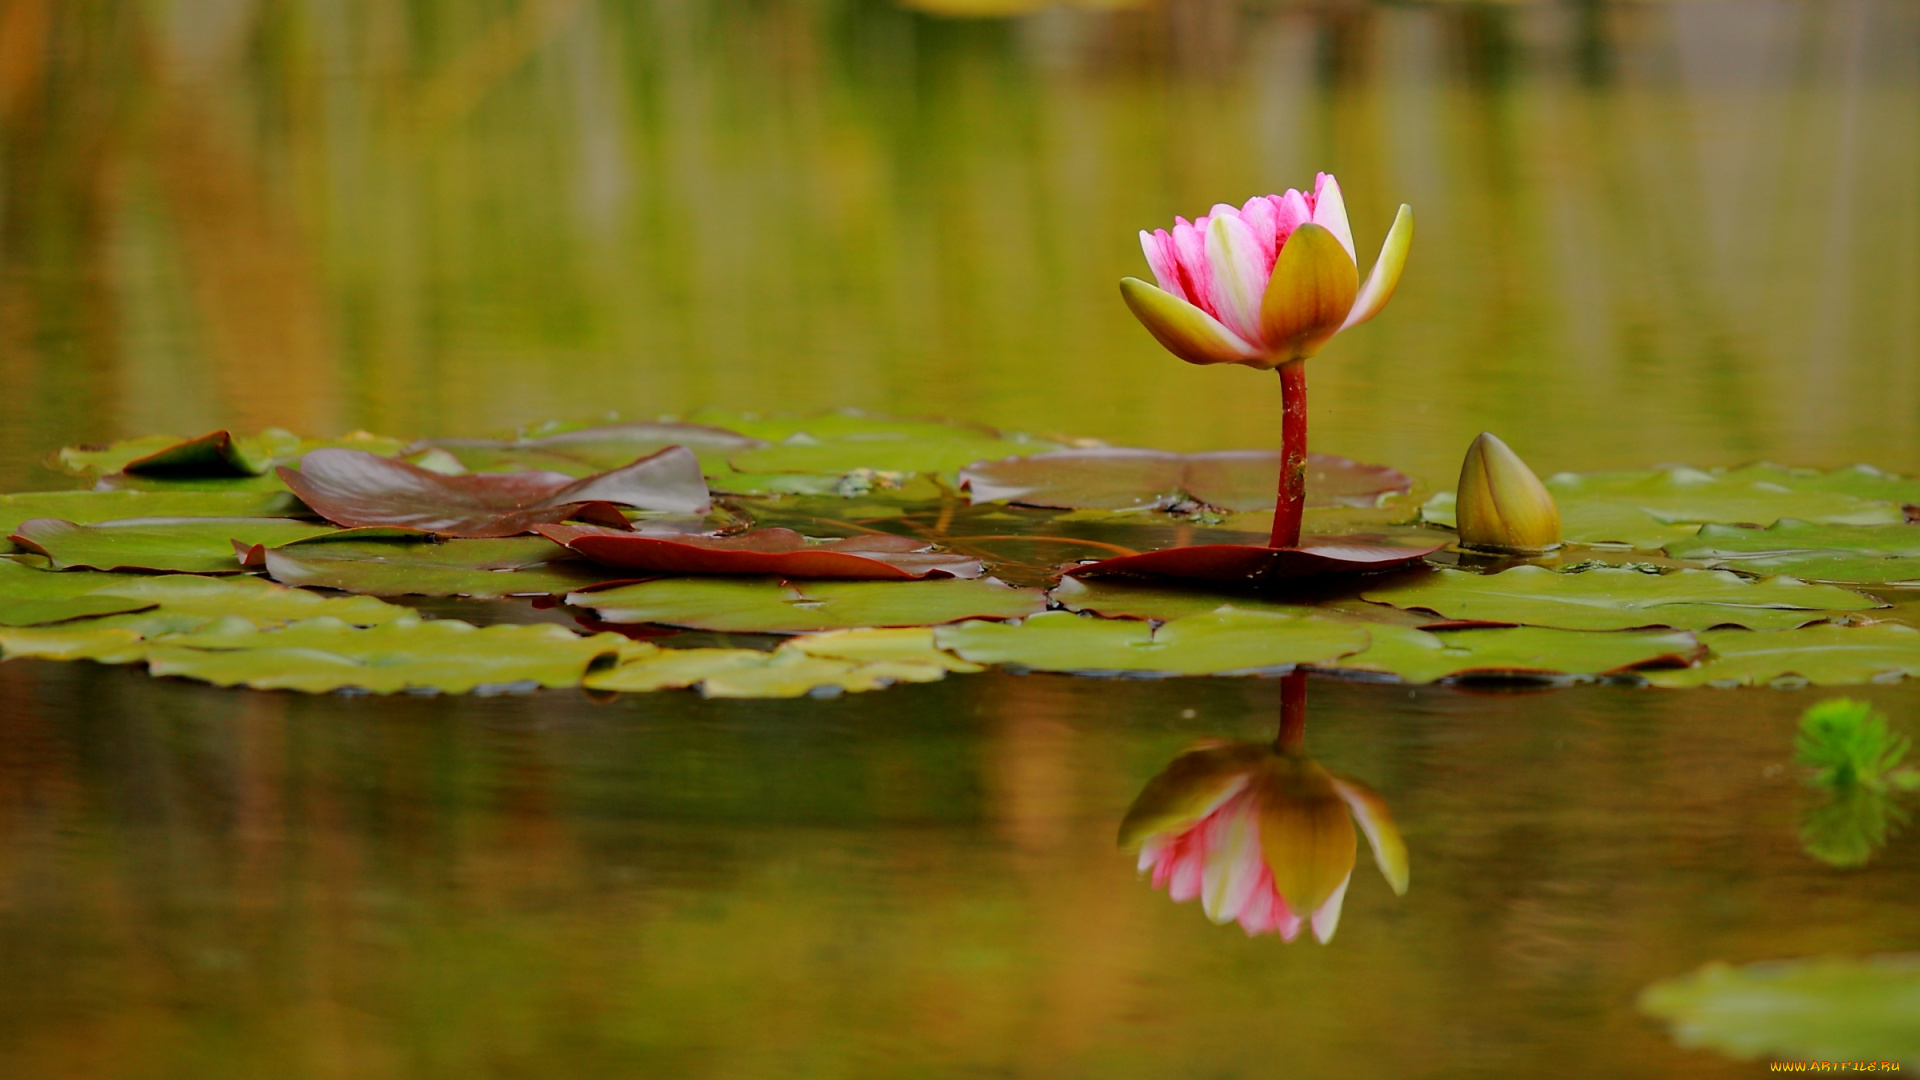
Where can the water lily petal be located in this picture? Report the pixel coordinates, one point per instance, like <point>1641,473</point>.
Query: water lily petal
<point>1163,261</point>
<point>1312,289</point>
<point>1326,918</point>
<point>1290,212</point>
<point>1233,853</point>
<point>1330,212</point>
<point>1386,270</point>
<point>1263,219</point>
<point>1305,832</point>
<point>1191,787</point>
<point>1190,255</point>
<point>1187,332</point>
<point>1240,270</point>
<point>1389,849</point>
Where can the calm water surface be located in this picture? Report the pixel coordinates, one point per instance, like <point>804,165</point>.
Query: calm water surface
<point>1647,233</point>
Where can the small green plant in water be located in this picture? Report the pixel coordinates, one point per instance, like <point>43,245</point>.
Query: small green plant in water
<point>1856,758</point>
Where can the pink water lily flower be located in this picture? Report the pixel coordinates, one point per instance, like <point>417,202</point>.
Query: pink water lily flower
<point>1262,836</point>
<point>1265,284</point>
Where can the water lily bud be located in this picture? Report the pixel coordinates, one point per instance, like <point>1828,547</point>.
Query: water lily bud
<point>1501,505</point>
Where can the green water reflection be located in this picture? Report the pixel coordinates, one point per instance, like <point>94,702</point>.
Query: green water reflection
<point>1648,233</point>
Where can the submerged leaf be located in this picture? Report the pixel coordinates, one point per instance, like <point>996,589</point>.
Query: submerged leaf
<point>783,552</point>
<point>770,606</point>
<point>359,490</point>
<point>1621,598</point>
<point>183,545</point>
<point>408,653</point>
<point>1216,643</point>
<point>1123,478</point>
<point>1821,655</point>
<point>482,569</point>
<point>1832,1009</point>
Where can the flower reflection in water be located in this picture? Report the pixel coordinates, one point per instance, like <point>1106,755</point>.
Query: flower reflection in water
<point>1260,832</point>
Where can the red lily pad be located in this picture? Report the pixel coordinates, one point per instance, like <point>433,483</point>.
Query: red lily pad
<point>1249,563</point>
<point>1125,478</point>
<point>780,552</point>
<point>360,490</point>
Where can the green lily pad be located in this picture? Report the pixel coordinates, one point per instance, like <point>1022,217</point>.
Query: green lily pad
<point>1820,655</point>
<point>1652,508</point>
<point>1791,537</point>
<point>217,454</point>
<point>1404,651</point>
<point>183,545</point>
<point>88,639</point>
<point>89,507</point>
<point>1419,656</point>
<point>1216,643</point>
<point>789,671</point>
<point>87,592</point>
<point>767,605</point>
<point>1860,481</point>
<point>1621,598</point>
<point>408,653</point>
<point>482,569</point>
<point>1119,598</point>
<point>838,444</point>
<point>579,452</point>
<point>1860,554</point>
<point>1834,1008</point>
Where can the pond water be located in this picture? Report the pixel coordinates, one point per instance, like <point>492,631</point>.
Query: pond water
<point>1647,233</point>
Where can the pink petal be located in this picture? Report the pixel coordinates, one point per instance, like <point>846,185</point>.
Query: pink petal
<point>1327,918</point>
<point>1290,212</point>
<point>1240,273</point>
<point>1262,217</point>
<point>1330,212</point>
<point>1190,253</point>
<point>1162,260</point>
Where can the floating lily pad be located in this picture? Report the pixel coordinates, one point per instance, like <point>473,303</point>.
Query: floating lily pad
<point>408,653</point>
<point>1833,1009</point>
<point>871,557</point>
<point>1418,656</point>
<point>1620,598</point>
<point>1652,508</point>
<point>1860,481</point>
<point>1791,537</point>
<point>357,489</point>
<point>87,639</point>
<point>88,507</point>
<point>1820,655</point>
<point>215,455</point>
<point>749,673</point>
<point>32,597</point>
<point>583,451</point>
<point>1862,554</point>
<point>1255,564</point>
<point>841,443</point>
<point>1216,643</point>
<point>873,645</point>
<point>1124,478</point>
<point>770,606</point>
<point>184,545</point>
<point>1118,598</point>
<point>482,569</point>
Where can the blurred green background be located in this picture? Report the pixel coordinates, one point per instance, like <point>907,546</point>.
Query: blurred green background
<point>1647,232</point>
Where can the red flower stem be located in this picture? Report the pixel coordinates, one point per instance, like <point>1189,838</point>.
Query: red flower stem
<point>1292,498</point>
<point>1293,713</point>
